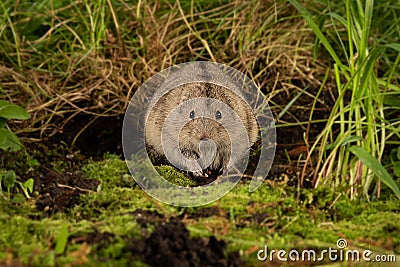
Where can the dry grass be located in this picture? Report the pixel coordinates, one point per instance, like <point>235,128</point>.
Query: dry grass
<point>80,63</point>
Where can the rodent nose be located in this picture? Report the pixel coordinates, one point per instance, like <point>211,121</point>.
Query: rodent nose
<point>204,136</point>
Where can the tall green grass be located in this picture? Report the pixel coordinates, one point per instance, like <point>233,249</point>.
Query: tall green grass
<point>352,145</point>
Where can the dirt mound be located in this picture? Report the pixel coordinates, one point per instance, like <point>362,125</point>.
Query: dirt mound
<point>170,245</point>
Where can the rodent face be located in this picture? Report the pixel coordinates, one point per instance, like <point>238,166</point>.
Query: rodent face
<point>202,111</point>
<point>207,118</point>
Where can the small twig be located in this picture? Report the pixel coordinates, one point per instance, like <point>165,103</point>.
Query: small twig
<point>334,201</point>
<point>75,188</point>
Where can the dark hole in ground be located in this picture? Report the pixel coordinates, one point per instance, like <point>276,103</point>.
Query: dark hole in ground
<point>92,136</point>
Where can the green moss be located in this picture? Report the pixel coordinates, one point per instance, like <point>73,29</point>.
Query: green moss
<point>112,172</point>
<point>278,216</point>
<point>173,176</point>
<point>289,223</point>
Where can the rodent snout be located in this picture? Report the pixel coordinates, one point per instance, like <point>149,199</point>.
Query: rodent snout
<point>204,136</point>
<point>200,129</point>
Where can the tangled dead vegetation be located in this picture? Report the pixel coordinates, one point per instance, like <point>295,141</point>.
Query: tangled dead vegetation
<point>58,72</point>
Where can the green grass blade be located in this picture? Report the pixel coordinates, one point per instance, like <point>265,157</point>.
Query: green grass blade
<point>286,108</point>
<point>374,165</point>
<point>313,25</point>
<point>395,46</point>
<point>370,64</point>
<point>61,240</point>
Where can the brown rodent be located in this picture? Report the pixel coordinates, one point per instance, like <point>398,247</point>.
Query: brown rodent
<point>206,111</point>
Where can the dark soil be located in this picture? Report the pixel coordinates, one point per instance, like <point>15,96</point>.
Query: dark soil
<point>101,240</point>
<point>147,217</point>
<point>60,192</point>
<point>204,213</point>
<point>170,245</point>
<point>58,183</point>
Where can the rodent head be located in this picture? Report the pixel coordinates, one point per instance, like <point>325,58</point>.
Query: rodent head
<point>208,119</point>
<point>191,114</point>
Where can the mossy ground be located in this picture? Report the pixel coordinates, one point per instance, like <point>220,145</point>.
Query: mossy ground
<point>102,223</point>
<point>173,176</point>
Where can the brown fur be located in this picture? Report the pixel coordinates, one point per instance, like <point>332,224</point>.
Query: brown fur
<point>198,129</point>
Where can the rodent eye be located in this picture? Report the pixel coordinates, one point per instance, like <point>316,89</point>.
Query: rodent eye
<point>191,115</point>
<point>218,115</point>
